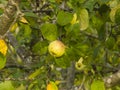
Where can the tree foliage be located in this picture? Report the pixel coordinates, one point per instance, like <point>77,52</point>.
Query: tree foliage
<point>88,28</point>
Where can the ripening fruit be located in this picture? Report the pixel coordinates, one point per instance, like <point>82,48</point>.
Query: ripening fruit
<point>49,87</point>
<point>3,47</point>
<point>56,48</point>
<point>52,86</point>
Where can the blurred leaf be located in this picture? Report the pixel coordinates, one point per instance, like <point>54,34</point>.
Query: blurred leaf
<point>110,42</point>
<point>96,22</point>
<point>2,61</point>
<point>40,47</point>
<point>113,3</point>
<point>83,19</point>
<point>36,73</point>
<point>14,27</point>
<point>1,11</point>
<point>30,14</point>
<point>113,11</point>
<point>72,30</point>
<point>21,87</point>
<point>90,4</point>
<point>49,31</point>
<point>24,34</point>
<point>102,32</point>
<point>74,20</point>
<point>97,85</point>
<point>117,16</point>
<point>23,20</point>
<point>33,86</point>
<point>7,85</point>
<point>63,61</point>
<point>63,18</point>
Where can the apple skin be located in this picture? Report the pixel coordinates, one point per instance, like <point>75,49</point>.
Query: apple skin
<point>56,48</point>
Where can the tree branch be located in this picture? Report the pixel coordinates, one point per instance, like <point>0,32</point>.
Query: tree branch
<point>112,80</point>
<point>70,76</point>
<point>8,16</point>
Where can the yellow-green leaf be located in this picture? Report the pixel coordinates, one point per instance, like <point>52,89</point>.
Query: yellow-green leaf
<point>7,85</point>
<point>2,61</point>
<point>36,73</point>
<point>83,19</point>
<point>21,87</point>
<point>113,11</point>
<point>23,20</point>
<point>97,85</point>
<point>49,31</point>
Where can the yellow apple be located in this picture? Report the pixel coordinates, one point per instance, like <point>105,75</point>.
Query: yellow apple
<point>56,48</point>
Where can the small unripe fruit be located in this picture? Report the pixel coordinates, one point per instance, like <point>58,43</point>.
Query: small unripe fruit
<point>56,48</point>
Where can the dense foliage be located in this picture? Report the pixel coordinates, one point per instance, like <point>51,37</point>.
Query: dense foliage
<point>90,31</point>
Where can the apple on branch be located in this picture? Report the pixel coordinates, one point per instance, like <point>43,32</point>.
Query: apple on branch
<point>56,48</point>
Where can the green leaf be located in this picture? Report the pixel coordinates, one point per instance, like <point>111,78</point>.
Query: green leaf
<point>7,85</point>
<point>97,85</point>
<point>30,14</point>
<point>63,61</point>
<point>49,31</point>
<point>24,34</point>
<point>64,18</point>
<point>2,61</point>
<point>36,73</point>
<point>110,42</point>
<point>21,87</point>
<point>40,47</point>
<point>72,30</point>
<point>117,16</point>
<point>83,19</point>
<point>113,12</point>
<point>96,22</point>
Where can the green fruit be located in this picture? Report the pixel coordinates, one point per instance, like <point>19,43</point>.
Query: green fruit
<point>79,64</point>
<point>56,48</point>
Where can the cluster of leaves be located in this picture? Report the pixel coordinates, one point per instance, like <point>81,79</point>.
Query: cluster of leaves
<point>89,29</point>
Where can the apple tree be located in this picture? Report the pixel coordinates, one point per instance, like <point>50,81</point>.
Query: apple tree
<point>59,44</point>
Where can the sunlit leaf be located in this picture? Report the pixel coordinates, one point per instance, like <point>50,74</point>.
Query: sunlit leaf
<point>113,11</point>
<point>83,19</point>
<point>14,27</point>
<point>23,20</point>
<point>7,85</point>
<point>63,18</point>
<point>74,20</point>
<point>21,87</point>
<point>97,85</point>
<point>49,31</point>
<point>113,3</point>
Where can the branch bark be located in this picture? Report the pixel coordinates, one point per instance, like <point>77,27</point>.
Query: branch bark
<point>70,76</point>
<point>8,16</point>
<point>112,80</point>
